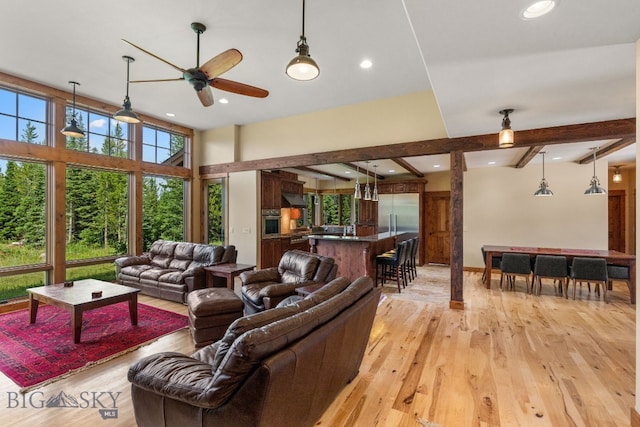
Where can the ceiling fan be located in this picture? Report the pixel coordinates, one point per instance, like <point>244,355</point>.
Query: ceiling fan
<point>202,78</point>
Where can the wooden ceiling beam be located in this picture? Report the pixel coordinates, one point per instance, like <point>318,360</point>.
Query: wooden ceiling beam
<point>613,129</point>
<point>609,149</point>
<point>406,165</point>
<point>528,156</point>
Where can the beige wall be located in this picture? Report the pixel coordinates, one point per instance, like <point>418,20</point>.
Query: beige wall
<point>243,215</point>
<point>500,209</point>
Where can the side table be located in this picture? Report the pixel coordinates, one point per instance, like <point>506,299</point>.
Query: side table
<point>227,271</point>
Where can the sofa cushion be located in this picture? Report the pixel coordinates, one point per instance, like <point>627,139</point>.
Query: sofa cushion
<point>252,291</point>
<point>297,267</point>
<point>324,268</point>
<point>175,277</point>
<point>205,255</point>
<point>153,274</point>
<point>329,290</point>
<point>135,270</point>
<point>179,264</point>
<point>162,254</point>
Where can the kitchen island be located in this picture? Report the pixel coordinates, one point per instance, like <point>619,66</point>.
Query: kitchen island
<point>355,255</point>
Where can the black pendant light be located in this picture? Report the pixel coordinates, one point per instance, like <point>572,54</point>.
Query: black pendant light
<point>544,189</point>
<point>594,186</point>
<point>72,128</point>
<point>126,114</point>
<point>303,67</point>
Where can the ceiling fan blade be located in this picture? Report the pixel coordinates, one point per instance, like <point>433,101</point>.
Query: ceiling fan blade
<point>221,63</point>
<point>156,80</point>
<point>206,96</point>
<point>155,56</point>
<point>239,88</point>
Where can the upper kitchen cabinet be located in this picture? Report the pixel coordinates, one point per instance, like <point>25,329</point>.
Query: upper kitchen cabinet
<point>416,186</point>
<point>271,195</point>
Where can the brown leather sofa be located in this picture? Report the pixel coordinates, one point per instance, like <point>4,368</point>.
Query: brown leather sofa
<point>171,270</point>
<point>280,367</point>
<point>264,289</point>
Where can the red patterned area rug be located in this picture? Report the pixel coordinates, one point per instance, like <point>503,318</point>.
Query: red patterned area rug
<point>38,354</point>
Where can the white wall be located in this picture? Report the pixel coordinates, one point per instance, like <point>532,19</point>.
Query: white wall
<point>243,215</point>
<point>500,209</point>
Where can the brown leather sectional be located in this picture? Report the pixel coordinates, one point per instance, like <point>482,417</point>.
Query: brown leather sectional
<point>279,367</point>
<point>171,270</point>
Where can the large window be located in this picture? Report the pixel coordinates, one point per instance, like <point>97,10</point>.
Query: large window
<point>162,147</point>
<point>96,213</point>
<point>22,117</point>
<point>336,209</point>
<point>104,135</point>
<point>162,209</point>
<point>215,212</point>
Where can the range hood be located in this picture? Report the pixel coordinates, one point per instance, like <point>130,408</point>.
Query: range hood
<point>292,200</point>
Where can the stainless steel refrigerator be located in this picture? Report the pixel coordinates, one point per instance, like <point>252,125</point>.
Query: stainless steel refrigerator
<point>399,213</point>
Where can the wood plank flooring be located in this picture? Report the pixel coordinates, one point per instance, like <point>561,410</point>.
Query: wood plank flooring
<point>508,359</point>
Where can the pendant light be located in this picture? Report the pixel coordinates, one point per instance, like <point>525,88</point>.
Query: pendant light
<point>316,201</point>
<point>72,128</point>
<point>505,139</point>
<point>594,186</point>
<point>357,194</point>
<point>544,189</point>
<point>617,176</point>
<point>126,114</point>
<point>375,197</point>
<point>302,67</point>
<point>367,189</point>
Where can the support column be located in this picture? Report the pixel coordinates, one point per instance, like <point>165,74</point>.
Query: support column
<point>457,169</point>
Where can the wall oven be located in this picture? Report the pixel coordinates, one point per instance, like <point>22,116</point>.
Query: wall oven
<point>270,222</point>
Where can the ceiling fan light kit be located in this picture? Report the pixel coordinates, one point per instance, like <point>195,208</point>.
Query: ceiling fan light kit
<point>72,128</point>
<point>302,67</point>
<point>126,114</point>
<point>505,138</point>
<point>203,78</point>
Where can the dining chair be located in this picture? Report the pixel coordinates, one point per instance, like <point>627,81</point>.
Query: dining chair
<point>590,270</point>
<point>514,265</point>
<point>551,267</point>
<point>495,263</point>
<point>618,272</point>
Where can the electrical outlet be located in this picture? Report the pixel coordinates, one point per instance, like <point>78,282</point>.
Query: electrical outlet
<point>246,230</point>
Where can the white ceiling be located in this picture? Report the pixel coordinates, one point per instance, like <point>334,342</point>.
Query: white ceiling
<point>572,66</point>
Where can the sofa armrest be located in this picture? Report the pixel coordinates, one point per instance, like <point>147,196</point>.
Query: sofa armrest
<point>256,276</point>
<point>132,260</point>
<point>175,376</point>
<point>279,289</point>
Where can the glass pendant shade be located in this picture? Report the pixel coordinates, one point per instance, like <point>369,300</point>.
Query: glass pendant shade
<point>126,114</point>
<point>374,196</point>
<point>367,189</point>
<point>543,189</point>
<point>72,129</point>
<point>357,194</point>
<point>594,185</point>
<point>617,176</point>
<point>506,137</point>
<point>302,67</point>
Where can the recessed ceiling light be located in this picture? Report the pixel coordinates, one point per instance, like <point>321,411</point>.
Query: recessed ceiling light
<point>347,172</point>
<point>436,166</point>
<point>392,170</point>
<point>170,114</point>
<point>556,158</point>
<point>539,8</point>
<point>366,64</point>
<point>491,163</point>
<point>223,101</point>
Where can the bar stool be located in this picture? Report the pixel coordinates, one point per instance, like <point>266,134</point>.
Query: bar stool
<point>392,264</point>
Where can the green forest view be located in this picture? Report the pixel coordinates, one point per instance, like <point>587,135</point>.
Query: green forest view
<point>96,220</point>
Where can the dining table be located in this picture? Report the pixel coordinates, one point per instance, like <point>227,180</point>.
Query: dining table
<point>611,256</point>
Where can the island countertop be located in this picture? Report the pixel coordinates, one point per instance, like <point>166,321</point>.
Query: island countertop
<point>355,255</point>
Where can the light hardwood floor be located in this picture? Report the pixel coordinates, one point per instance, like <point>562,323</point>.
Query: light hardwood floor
<point>508,359</point>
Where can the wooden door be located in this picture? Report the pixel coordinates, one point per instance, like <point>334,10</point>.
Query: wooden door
<point>617,241</point>
<point>438,227</point>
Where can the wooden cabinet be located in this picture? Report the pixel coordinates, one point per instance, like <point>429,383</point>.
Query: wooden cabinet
<point>400,187</point>
<point>271,195</point>
<point>287,245</point>
<point>294,187</point>
<point>367,212</point>
<point>270,252</point>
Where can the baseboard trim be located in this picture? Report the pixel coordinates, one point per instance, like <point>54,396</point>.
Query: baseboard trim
<point>14,305</point>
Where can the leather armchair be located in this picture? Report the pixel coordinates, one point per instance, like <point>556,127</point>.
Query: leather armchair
<point>264,289</point>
